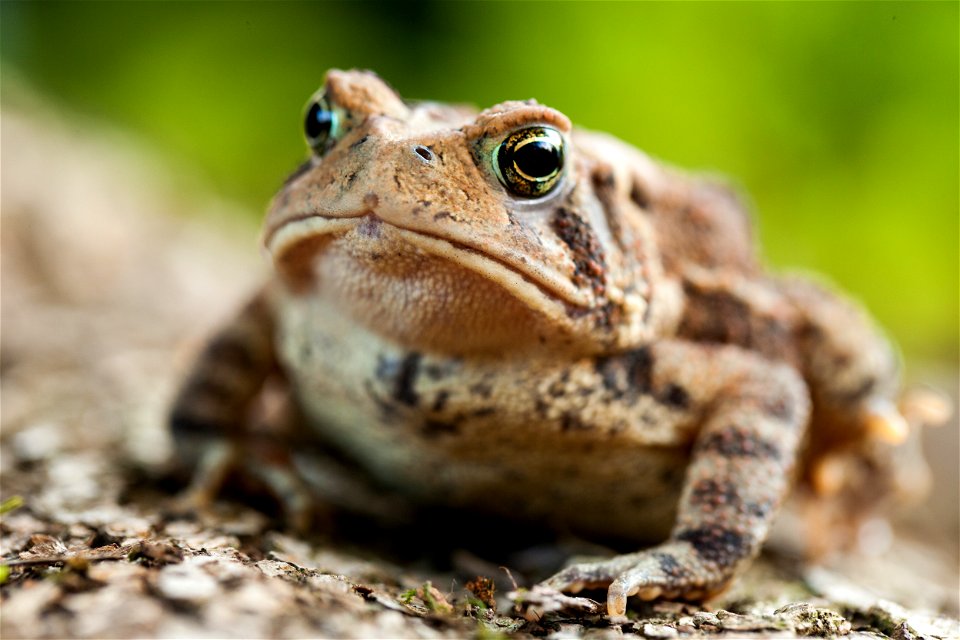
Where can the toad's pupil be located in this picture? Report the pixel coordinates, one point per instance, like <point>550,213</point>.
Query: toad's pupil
<point>538,159</point>
<point>319,121</point>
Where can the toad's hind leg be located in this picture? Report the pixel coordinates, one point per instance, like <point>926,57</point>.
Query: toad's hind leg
<point>214,411</point>
<point>853,466</point>
<point>754,415</point>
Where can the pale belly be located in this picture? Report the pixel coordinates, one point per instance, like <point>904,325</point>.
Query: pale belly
<point>456,433</point>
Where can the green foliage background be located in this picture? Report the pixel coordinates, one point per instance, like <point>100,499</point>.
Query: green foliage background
<point>840,119</point>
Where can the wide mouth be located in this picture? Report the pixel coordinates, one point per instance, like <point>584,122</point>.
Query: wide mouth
<point>543,293</point>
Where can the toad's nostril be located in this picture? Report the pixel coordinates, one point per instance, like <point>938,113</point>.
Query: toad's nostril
<point>424,153</point>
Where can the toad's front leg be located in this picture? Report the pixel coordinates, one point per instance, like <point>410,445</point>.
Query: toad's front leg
<point>754,413</point>
<point>212,417</point>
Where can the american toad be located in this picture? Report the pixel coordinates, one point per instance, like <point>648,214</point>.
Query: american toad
<point>500,312</point>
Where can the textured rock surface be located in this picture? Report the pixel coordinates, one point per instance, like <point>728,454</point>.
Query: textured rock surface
<point>100,288</point>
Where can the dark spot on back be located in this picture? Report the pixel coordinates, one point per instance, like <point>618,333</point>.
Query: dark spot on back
<point>359,142</point>
<point>715,316</point>
<point>721,317</point>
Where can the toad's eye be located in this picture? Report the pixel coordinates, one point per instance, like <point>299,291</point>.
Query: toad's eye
<point>321,124</point>
<point>529,162</point>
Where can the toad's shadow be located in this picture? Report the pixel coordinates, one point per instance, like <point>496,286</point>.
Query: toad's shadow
<point>459,541</point>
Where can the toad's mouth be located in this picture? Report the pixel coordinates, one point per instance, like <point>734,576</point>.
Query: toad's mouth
<point>536,287</point>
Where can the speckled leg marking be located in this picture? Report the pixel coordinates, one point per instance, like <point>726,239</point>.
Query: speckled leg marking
<point>212,416</point>
<point>754,413</point>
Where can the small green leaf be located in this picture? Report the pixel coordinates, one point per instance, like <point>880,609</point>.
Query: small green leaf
<point>11,503</point>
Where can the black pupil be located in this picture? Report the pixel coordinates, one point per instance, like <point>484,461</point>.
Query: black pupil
<point>319,122</point>
<point>537,159</point>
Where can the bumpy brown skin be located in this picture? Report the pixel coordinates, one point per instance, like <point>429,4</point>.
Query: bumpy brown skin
<point>608,357</point>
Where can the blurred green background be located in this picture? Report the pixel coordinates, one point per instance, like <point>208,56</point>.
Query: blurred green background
<point>840,119</point>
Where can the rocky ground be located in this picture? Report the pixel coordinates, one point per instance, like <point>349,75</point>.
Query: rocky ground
<point>106,295</point>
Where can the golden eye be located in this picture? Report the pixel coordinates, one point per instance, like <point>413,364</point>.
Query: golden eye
<point>529,163</point>
<point>321,124</point>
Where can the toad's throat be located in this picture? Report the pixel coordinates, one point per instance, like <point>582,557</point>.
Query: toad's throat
<point>537,289</point>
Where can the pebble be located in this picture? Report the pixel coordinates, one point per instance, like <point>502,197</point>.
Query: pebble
<point>186,582</point>
<point>659,631</point>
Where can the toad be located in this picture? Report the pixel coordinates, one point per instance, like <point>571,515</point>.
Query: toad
<point>500,312</point>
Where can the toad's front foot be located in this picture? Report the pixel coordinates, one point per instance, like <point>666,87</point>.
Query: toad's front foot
<point>740,467</point>
<point>672,570</point>
<point>266,468</point>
